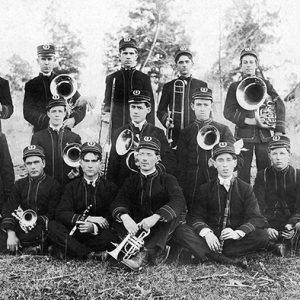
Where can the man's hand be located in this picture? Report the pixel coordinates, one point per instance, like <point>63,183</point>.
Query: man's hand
<point>169,123</point>
<point>69,123</point>
<point>229,234</point>
<point>13,242</point>
<point>85,227</point>
<point>259,122</point>
<point>73,173</point>
<point>212,242</point>
<point>149,222</point>
<point>0,107</point>
<point>289,232</point>
<point>129,224</point>
<point>273,234</point>
<point>102,222</point>
<point>250,121</point>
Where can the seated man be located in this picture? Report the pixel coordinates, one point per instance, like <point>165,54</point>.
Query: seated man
<point>277,189</point>
<point>150,200</point>
<point>139,108</point>
<point>225,216</point>
<point>54,139</point>
<point>193,167</point>
<point>85,204</point>
<point>38,192</point>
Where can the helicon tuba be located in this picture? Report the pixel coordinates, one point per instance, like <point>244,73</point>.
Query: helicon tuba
<point>208,136</point>
<point>27,219</point>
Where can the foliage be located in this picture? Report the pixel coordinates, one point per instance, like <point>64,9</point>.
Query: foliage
<point>20,71</point>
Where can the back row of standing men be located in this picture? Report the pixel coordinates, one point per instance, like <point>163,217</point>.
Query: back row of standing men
<point>218,210</point>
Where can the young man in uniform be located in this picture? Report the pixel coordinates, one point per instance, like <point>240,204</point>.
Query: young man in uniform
<point>38,192</point>
<point>139,108</point>
<point>277,189</point>
<point>54,139</point>
<point>184,63</point>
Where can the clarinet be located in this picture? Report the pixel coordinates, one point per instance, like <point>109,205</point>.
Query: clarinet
<point>81,219</point>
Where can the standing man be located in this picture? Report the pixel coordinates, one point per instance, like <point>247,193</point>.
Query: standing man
<point>184,63</point>
<point>277,189</point>
<point>249,126</point>
<point>7,177</point>
<point>38,94</point>
<point>126,80</point>
<point>6,105</point>
<point>38,192</point>
<point>194,163</point>
<point>149,200</point>
<point>139,108</point>
<point>54,139</point>
<point>85,204</point>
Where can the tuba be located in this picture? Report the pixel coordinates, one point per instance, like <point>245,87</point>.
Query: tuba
<point>27,219</point>
<point>71,155</point>
<point>208,136</point>
<point>251,94</point>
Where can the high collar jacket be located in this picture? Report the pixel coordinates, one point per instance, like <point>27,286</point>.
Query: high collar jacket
<point>5,100</point>
<point>278,195</point>
<point>53,143</point>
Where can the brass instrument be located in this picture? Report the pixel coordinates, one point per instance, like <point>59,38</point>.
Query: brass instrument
<point>27,219</point>
<point>208,136</point>
<point>81,219</point>
<point>178,92</point>
<point>251,94</point>
<point>71,155</point>
<point>130,246</point>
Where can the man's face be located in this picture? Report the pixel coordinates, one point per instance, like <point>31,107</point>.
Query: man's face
<point>202,109</point>
<point>225,164</point>
<point>138,112</point>
<point>46,63</point>
<point>147,159</point>
<point>184,65</point>
<point>280,158</point>
<point>90,165</point>
<point>35,166</point>
<point>128,57</point>
<point>249,65</point>
<point>56,115</point>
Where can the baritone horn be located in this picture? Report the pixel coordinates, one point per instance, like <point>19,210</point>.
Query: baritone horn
<point>71,155</point>
<point>27,219</point>
<point>208,136</point>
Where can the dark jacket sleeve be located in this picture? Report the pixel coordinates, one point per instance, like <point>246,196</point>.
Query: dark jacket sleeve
<point>162,110</point>
<point>7,177</point>
<point>295,218</point>
<point>5,100</point>
<point>182,155</point>
<point>107,94</point>
<point>148,87</point>
<point>167,154</point>
<point>79,111</point>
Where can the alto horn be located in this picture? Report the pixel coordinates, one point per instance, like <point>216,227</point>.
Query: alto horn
<point>251,93</point>
<point>71,155</point>
<point>27,219</point>
<point>208,136</point>
<point>63,85</point>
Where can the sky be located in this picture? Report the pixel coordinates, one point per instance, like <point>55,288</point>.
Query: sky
<point>21,30</point>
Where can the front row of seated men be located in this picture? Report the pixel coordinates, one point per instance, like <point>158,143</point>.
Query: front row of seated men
<point>225,217</point>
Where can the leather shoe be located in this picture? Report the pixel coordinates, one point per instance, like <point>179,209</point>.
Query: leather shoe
<point>137,262</point>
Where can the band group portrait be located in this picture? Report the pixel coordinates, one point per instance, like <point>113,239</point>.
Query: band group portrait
<point>155,192</point>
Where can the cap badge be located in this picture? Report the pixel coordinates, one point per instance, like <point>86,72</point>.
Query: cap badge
<point>222,144</point>
<point>276,138</point>
<point>147,138</point>
<point>31,147</point>
<point>136,92</point>
<point>91,143</point>
<point>46,47</point>
<point>204,89</point>
<point>248,49</point>
<point>183,48</point>
<point>55,97</point>
<point>127,39</point>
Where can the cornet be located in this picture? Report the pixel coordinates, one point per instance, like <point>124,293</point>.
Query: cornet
<point>27,219</point>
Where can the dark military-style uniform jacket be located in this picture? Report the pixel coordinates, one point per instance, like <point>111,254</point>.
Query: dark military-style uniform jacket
<point>39,194</point>
<point>117,169</point>
<point>166,104</point>
<point>5,100</point>
<point>78,195</point>
<point>36,98</point>
<point>236,114</point>
<point>7,177</point>
<point>126,81</point>
<point>208,208</point>
<point>193,167</point>
<point>53,143</point>
<point>142,196</point>
<point>278,195</point>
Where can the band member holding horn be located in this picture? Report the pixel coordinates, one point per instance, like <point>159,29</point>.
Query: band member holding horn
<point>6,105</point>
<point>149,200</point>
<point>82,225</point>
<point>257,111</point>
<point>7,177</point>
<point>126,139</point>
<point>195,144</point>
<point>38,94</point>
<point>174,110</point>
<point>277,189</point>
<point>126,80</point>
<point>225,216</point>
<point>31,205</point>
<point>55,139</point>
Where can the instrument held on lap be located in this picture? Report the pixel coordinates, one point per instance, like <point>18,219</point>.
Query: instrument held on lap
<point>81,219</point>
<point>208,136</point>
<point>178,96</point>
<point>27,219</point>
<point>251,94</point>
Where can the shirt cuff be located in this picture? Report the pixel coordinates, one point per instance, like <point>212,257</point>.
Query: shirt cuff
<point>203,232</point>
<point>95,229</point>
<point>241,233</point>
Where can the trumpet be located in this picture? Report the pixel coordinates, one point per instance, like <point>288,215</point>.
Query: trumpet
<point>27,219</point>
<point>208,136</point>
<point>71,155</point>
